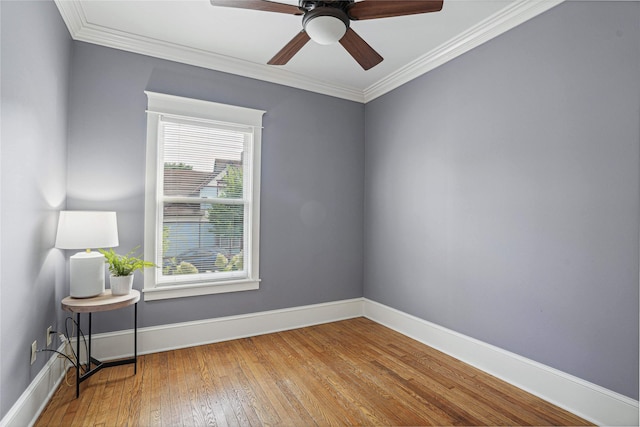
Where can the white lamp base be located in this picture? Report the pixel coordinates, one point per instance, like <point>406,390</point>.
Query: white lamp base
<point>86,274</point>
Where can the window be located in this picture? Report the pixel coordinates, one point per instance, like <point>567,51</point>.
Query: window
<point>202,206</point>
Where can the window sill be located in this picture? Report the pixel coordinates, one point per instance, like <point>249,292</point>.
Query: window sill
<point>180,291</point>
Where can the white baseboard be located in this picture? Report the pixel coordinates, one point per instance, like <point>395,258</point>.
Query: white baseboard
<point>587,400</point>
<point>590,401</point>
<point>31,403</point>
<point>115,345</point>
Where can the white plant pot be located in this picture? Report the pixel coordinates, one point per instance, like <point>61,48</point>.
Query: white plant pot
<point>121,285</point>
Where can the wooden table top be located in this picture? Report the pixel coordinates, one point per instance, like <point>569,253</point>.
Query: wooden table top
<point>103,302</point>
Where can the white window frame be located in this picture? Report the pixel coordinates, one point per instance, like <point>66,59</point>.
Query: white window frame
<point>159,105</point>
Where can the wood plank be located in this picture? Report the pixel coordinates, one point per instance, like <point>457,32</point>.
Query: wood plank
<point>110,397</point>
<point>146,389</point>
<point>121,401</point>
<point>179,397</point>
<point>132,388</point>
<point>204,394</point>
<point>353,372</point>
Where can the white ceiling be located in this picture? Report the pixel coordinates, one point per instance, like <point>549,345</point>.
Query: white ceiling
<point>241,41</point>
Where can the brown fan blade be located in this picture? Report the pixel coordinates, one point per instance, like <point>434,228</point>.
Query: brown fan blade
<point>290,49</point>
<point>373,9</point>
<point>264,5</point>
<point>360,50</point>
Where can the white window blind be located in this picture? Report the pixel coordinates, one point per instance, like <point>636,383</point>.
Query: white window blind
<point>205,216</point>
<point>204,208</point>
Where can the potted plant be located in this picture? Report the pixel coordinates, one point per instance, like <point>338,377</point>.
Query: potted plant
<point>122,268</point>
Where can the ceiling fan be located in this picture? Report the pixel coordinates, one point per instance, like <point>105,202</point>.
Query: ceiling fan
<point>327,22</point>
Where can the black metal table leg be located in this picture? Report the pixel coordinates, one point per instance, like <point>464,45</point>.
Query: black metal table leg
<point>78,355</point>
<point>135,339</point>
<point>89,350</point>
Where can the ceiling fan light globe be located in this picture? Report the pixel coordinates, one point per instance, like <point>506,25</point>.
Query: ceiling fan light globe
<point>325,30</point>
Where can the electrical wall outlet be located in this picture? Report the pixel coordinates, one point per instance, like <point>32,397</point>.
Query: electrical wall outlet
<point>49,329</point>
<point>34,349</point>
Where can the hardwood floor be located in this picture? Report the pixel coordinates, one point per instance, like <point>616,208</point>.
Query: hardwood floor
<point>353,372</point>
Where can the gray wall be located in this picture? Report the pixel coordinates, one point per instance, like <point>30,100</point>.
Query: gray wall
<point>501,193</point>
<point>313,155</point>
<point>34,86</point>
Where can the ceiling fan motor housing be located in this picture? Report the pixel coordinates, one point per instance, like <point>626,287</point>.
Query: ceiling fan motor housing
<point>326,24</point>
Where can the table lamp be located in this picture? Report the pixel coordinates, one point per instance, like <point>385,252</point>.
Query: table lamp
<point>86,230</point>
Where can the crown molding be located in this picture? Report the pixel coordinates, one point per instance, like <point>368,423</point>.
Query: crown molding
<point>510,17</point>
<point>501,22</point>
<point>82,30</point>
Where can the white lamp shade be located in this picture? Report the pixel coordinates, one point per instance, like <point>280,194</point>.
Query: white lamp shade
<point>325,29</point>
<point>86,230</point>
